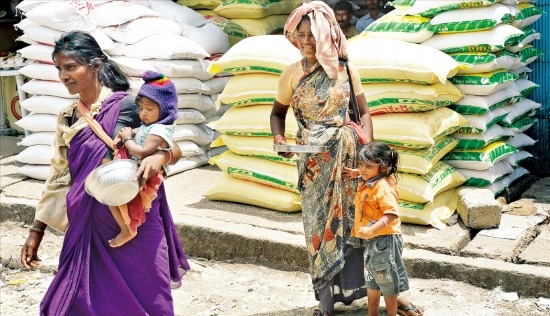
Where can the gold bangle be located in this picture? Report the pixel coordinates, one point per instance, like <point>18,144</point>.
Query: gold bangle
<point>171,157</point>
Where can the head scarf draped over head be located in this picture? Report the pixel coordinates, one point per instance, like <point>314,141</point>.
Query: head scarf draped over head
<point>331,41</point>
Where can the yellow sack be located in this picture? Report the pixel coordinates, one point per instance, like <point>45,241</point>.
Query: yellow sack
<point>264,53</point>
<point>267,25</point>
<point>389,60</point>
<point>255,9</point>
<point>249,89</point>
<point>274,174</point>
<point>434,214</point>
<point>232,189</point>
<point>251,121</point>
<point>396,97</point>
<point>200,4</point>
<point>423,188</point>
<point>421,161</point>
<point>261,147</point>
<point>416,130</point>
<point>235,32</point>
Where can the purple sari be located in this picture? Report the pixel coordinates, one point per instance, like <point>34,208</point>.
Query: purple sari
<point>95,279</point>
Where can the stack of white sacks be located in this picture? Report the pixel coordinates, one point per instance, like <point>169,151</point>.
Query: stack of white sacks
<point>139,35</point>
<point>493,40</point>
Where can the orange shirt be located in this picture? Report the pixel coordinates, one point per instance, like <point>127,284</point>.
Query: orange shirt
<point>374,198</point>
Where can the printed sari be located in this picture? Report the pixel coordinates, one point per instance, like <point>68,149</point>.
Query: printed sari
<point>320,105</point>
<point>94,278</point>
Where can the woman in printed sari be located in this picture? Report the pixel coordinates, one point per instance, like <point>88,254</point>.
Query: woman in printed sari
<point>317,88</point>
<point>94,278</point>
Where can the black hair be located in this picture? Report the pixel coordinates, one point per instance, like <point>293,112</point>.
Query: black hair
<point>85,50</point>
<point>343,5</point>
<point>382,154</point>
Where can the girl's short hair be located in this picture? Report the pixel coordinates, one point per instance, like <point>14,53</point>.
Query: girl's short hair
<point>381,154</point>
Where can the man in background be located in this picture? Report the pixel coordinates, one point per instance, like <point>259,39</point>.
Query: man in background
<point>343,10</point>
<point>373,14</point>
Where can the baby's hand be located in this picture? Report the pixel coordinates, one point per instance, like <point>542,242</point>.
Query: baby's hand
<point>125,132</point>
<point>117,141</point>
<point>366,232</point>
<point>350,172</point>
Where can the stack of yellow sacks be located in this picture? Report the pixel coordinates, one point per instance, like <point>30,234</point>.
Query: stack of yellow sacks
<point>253,173</point>
<point>408,93</point>
<point>243,18</point>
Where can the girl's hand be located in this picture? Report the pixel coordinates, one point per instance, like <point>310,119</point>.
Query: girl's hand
<point>350,173</point>
<point>366,232</point>
<point>125,132</point>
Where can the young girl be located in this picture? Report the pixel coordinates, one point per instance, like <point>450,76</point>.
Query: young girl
<point>158,109</point>
<point>377,221</point>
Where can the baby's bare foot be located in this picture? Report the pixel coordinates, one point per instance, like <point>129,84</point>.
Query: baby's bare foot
<point>122,238</point>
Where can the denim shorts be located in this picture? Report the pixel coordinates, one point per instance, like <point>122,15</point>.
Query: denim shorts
<point>384,268</point>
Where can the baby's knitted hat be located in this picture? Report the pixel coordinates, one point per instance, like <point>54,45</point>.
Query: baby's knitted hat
<point>161,90</point>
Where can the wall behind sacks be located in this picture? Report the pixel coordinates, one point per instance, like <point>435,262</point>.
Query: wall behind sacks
<point>541,75</point>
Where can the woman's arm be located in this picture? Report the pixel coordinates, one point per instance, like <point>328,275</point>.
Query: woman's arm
<point>152,164</point>
<point>277,120</point>
<point>365,116</point>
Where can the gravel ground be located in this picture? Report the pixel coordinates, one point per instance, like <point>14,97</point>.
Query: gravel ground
<point>225,288</point>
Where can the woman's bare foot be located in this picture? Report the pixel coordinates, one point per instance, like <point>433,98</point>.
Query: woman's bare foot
<point>123,237</point>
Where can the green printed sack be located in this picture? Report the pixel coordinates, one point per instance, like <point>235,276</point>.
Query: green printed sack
<point>252,121</point>
<point>525,87</point>
<point>416,130</point>
<point>234,31</point>
<point>431,8</point>
<point>528,55</point>
<point>435,214</point>
<point>271,173</point>
<point>478,159</point>
<point>402,97</point>
<point>521,124</point>
<point>200,4</point>
<point>480,123</point>
<point>423,188</point>
<point>529,35</point>
<point>481,104</point>
<point>255,9</point>
<point>492,40</point>
<point>528,15</point>
<point>518,110</point>
<point>396,25</point>
<point>478,141</point>
<point>486,62</point>
<point>483,178</point>
<point>421,161</point>
<point>483,83</point>
<point>473,19</point>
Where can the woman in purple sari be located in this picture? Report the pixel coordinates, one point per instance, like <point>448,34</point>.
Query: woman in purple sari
<point>94,278</point>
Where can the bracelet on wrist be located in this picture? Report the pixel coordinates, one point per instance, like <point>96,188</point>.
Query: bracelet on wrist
<point>171,157</point>
<point>277,138</point>
<point>127,139</point>
<point>384,221</point>
<point>36,230</point>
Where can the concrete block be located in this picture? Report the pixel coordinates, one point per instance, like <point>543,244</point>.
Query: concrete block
<point>506,242</point>
<point>537,251</point>
<point>478,208</point>
<point>447,241</point>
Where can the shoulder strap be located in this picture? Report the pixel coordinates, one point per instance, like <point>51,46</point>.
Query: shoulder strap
<point>94,125</point>
<point>353,107</point>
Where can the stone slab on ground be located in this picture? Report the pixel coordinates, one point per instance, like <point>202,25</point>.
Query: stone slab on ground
<point>9,146</point>
<point>487,273</point>
<point>506,242</point>
<point>537,251</point>
<point>446,241</point>
<point>477,208</point>
<point>9,171</point>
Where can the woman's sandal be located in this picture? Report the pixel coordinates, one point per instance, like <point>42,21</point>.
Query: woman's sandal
<point>403,310</point>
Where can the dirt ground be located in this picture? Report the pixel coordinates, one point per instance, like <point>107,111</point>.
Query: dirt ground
<point>225,288</point>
